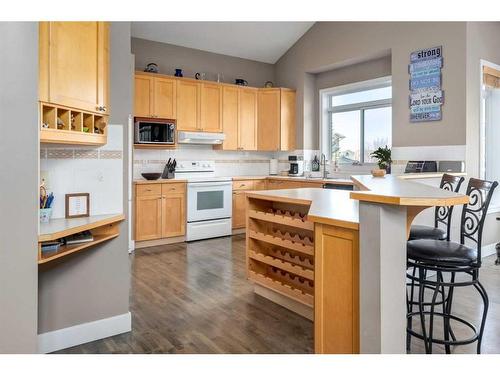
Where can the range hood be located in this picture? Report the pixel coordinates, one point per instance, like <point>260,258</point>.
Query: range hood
<point>201,138</point>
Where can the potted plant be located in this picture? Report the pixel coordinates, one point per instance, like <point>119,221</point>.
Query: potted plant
<point>383,156</point>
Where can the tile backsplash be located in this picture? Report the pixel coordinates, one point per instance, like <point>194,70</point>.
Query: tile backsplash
<point>83,170</point>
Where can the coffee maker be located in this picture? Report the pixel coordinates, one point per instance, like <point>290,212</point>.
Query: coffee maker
<point>296,165</point>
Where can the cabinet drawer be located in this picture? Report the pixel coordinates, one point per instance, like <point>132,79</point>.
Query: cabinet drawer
<point>173,188</point>
<point>243,185</point>
<point>260,185</point>
<point>147,189</point>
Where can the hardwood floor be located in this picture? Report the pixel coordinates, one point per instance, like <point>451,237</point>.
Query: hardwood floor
<point>194,298</point>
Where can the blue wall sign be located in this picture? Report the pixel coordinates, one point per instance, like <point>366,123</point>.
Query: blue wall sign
<point>426,97</point>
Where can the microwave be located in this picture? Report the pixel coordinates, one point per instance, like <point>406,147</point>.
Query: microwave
<point>154,131</point>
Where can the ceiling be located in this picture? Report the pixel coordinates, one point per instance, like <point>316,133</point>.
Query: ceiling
<point>259,41</point>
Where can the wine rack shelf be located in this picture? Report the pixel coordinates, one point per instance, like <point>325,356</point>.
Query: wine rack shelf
<point>280,287</point>
<point>285,218</point>
<point>284,265</point>
<point>287,243</point>
<point>280,251</point>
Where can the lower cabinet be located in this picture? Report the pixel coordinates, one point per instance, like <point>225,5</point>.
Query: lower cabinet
<point>240,187</point>
<point>148,214</point>
<point>160,211</point>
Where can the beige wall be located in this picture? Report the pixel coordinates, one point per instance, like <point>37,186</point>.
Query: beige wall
<point>95,284</point>
<point>328,45</point>
<point>168,57</point>
<point>19,187</point>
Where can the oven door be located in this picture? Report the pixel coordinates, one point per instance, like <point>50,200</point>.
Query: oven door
<point>209,200</point>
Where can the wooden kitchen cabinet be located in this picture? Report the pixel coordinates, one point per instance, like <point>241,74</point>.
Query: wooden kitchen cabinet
<point>269,118</point>
<point>173,210</point>
<point>143,95</point>
<point>211,107</point>
<point>247,118</point>
<point>239,202</point>
<point>164,98</point>
<point>160,210</point>
<point>148,217</point>
<point>74,65</point>
<point>230,101</point>
<point>188,105</point>
<point>154,96</point>
<point>240,187</point>
<point>276,120</point>
<point>288,121</point>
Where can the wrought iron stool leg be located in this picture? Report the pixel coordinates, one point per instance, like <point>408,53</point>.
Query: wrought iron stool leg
<point>439,276</point>
<point>484,296</point>
<point>409,302</point>
<point>421,290</point>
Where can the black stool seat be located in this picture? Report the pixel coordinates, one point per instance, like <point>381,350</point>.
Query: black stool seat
<point>443,252</point>
<point>426,232</point>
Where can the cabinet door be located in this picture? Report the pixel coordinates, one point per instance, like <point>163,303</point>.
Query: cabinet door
<point>239,202</point>
<point>188,105</point>
<point>164,98</point>
<point>230,117</point>
<point>143,96</point>
<point>210,107</point>
<point>268,132</point>
<point>75,70</point>
<point>148,212</point>
<point>174,215</point>
<point>248,118</point>
<point>288,124</point>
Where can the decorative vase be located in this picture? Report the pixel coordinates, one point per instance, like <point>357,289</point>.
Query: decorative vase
<point>178,73</point>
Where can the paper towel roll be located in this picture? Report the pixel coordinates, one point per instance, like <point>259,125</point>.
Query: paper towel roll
<point>273,166</point>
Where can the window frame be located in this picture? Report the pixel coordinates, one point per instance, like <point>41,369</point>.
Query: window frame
<point>327,110</point>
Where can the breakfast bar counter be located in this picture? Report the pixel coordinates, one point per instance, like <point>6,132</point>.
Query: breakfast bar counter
<point>339,257</point>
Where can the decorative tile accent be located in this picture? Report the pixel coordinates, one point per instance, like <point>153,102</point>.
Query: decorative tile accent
<point>60,153</point>
<point>86,154</point>
<point>110,154</point>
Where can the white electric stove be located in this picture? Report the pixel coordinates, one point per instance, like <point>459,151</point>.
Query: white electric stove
<point>209,200</point>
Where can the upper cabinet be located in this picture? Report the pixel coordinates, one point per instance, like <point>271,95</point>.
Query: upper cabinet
<point>74,65</point>
<point>276,124</point>
<point>188,105</point>
<point>269,120</point>
<point>252,119</point>
<point>74,82</point>
<point>155,97</point>
<point>211,107</point>
<point>247,119</point>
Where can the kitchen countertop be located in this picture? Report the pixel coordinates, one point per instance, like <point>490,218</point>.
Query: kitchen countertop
<point>396,191</point>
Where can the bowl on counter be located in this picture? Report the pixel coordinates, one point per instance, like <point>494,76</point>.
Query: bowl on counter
<point>151,176</point>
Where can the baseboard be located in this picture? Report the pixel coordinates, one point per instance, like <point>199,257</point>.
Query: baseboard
<point>159,242</point>
<point>488,250</point>
<point>82,333</point>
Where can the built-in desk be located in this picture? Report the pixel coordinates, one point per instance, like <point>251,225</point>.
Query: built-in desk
<point>102,227</point>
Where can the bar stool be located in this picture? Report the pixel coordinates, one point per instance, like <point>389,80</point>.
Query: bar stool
<point>442,215</point>
<point>449,259</point>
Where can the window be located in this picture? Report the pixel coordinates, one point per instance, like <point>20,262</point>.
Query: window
<point>356,120</point>
<point>490,131</point>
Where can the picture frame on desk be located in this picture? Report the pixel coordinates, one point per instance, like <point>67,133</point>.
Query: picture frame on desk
<point>77,205</point>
